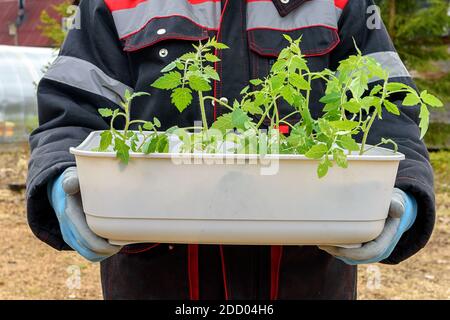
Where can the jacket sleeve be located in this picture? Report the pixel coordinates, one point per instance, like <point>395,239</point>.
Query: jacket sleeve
<point>90,72</point>
<point>360,22</point>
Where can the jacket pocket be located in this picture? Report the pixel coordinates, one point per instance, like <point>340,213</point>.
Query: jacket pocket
<point>315,21</point>
<point>316,40</point>
<point>148,22</point>
<point>265,46</point>
<point>157,42</point>
<point>167,28</point>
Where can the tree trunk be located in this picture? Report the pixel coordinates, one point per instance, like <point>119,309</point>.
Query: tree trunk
<point>392,17</point>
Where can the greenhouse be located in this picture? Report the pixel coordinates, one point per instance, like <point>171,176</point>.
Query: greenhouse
<point>20,71</point>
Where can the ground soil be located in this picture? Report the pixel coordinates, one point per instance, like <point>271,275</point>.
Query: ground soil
<point>29,269</point>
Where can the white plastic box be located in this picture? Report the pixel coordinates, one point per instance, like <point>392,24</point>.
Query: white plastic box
<point>158,198</point>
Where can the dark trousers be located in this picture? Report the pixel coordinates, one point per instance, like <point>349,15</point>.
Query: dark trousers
<point>226,272</point>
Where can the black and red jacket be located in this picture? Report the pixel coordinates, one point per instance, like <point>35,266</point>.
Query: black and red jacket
<point>123,44</point>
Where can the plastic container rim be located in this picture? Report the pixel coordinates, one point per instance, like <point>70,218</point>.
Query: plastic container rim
<point>387,154</point>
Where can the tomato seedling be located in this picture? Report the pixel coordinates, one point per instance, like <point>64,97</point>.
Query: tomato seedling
<point>350,109</point>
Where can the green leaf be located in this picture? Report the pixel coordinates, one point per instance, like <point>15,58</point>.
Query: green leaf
<point>181,98</point>
<point>223,123</point>
<point>352,106</point>
<point>105,140</point>
<point>244,90</point>
<point>260,98</point>
<point>340,158</point>
<point>105,112</point>
<point>431,100</point>
<point>193,68</point>
<point>295,139</point>
<point>424,116</point>
<point>331,97</point>
<point>189,56</point>
<point>156,122</point>
<point>288,94</point>
<point>284,54</point>
<point>198,83</point>
<point>411,100</point>
<point>299,82</point>
<point>375,90</point>
<point>256,82</point>
<point>277,80</point>
<point>127,94</point>
<point>122,150</point>
<point>218,45</point>
<point>172,130</point>
<point>349,143</point>
<point>251,107</point>
<point>287,37</point>
<point>133,142</point>
<point>168,81</point>
<point>369,101</point>
<point>150,146</point>
<point>294,47</point>
<point>375,68</point>
<point>322,168</point>
<point>211,58</point>
<point>317,151</point>
<point>396,86</point>
<point>239,118</point>
<point>358,85</point>
<point>344,125</point>
<point>297,63</point>
<point>162,144</point>
<point>211,73</point>
<point>391,107</point>
<point>148,126</point>
<point>180,66</point>
<point>278,66</point>
<point>169,67</point>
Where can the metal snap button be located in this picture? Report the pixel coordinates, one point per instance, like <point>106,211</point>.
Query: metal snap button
<point>163,53</point>
<point>284,1</point>
<point>161,31</point>
<point>223,99</point>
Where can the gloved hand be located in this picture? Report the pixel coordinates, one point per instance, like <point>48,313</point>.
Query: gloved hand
<point>65,198</point>
<point>402,214</point>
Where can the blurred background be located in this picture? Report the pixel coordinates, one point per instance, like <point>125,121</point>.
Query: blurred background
<point>31,31</point>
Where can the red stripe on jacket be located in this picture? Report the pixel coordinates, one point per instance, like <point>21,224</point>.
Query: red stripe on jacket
<point>115,5</point>
<point>340,3</point>
<point>193,272</point>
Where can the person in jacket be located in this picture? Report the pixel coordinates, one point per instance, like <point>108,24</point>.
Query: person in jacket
<point>122,45</point>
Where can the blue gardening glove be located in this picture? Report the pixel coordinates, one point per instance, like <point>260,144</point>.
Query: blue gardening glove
<point>65,198</point>
<point>402,214</point>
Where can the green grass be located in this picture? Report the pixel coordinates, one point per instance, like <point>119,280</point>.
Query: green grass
<point>441,165</point>
<point>439,87</point>
<point>438,136</point>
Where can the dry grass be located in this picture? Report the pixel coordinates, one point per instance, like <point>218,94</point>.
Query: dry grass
<point>29,269</point>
